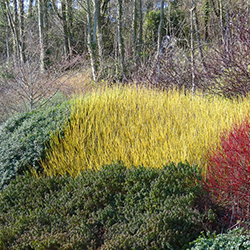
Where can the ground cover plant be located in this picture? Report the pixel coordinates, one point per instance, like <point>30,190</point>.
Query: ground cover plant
<point>229,170</point>
<point>233,239</point>
<point>116,207</point>
<point>141,126</point>
<point>23,139</point>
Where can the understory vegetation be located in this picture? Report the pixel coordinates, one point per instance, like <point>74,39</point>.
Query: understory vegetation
<point>127,168</point>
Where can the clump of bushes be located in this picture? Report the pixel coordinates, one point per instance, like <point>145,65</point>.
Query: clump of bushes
<point>229,170</point>
<point>233,239</point>
<point>23,140</point>
<point>115,207</point>
<point>228,72</point>
<point>141,126</point>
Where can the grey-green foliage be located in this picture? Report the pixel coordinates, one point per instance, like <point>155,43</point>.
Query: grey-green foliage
<point>234,239</point>
<point>23,139</point>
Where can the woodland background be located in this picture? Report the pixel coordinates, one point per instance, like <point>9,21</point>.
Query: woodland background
<point>192,44</point>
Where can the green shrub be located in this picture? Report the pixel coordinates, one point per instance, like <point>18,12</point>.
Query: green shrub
<point>234,239</point>
<point>23,139</point>
<point>112,208</point>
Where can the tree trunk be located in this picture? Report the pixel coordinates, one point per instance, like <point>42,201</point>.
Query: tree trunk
<point>160,28</point>
<point>135,26</point>
<point>45,33</point>
<point>7,45</point>
<point>12,23</point>
<point>227,28</point>
<point>206,8</point>
<point>192,44</point>
<point>15,28</point>
<point>95,22</point>
<point>99,37</point>
<point>140,29</point>
<point>30,9</point>
<point>196,24</point>
<point>120,39</point>
<point>40,31</point>
<point>221,19</point>
<point>6,23</point>
<point>21,30</point>
<point>116,54</point>
<point>65,28</point>
<point>69,24</point>
<point>90,46</point>
<point>97,34</point>
<point>169,29</point>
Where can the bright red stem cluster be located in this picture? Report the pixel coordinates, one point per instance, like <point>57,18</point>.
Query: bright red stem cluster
<point>228,172</point>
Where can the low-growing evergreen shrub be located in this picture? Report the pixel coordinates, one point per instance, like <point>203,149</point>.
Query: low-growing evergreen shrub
<point>229,170</point>
<point>234,239</point>
<point>115,207</point>
<point>23,139</point>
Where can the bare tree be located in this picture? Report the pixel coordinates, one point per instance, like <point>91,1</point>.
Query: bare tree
<point>32,88</point>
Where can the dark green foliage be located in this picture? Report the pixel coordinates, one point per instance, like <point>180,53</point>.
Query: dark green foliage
<point>152,22</point>
<point>112,208</point>
<point>176,18</point>
<point>23,139</point>
<point>234,239</point>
